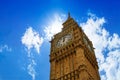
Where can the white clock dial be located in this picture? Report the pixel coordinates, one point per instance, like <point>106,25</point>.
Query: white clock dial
<point>64,40</point>
<point>85,40</point>
<point>90,48</point>
<point>87,44</point>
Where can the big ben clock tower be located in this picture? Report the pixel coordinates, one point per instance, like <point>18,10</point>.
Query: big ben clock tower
<point>72,54</point>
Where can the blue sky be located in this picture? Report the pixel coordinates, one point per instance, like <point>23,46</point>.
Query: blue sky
<point>26,27</point>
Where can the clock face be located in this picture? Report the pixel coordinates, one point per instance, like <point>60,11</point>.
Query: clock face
<point>90,48</point>
<point>64,40</point>
<point>86,43</point>
<point>85,40</point>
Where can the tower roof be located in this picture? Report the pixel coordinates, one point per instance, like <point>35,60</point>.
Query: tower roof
<point>69,19</point>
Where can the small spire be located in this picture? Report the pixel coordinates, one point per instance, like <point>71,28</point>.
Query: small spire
<point>69,15</point>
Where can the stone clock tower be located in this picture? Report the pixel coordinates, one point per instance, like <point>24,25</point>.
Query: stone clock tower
<point>72,55</point>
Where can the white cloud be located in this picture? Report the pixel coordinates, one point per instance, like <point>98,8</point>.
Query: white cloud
<point>114,42</point>
<point>31,39</point>
<point>31,70</point>
<point>54,25</point>
<point>5,48</point>
<point>107,47</point>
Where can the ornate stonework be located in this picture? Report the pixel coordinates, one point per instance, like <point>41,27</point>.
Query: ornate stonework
<point>72,54</point>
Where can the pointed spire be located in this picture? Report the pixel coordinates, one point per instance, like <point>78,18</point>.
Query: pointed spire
<point>69,15</point>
